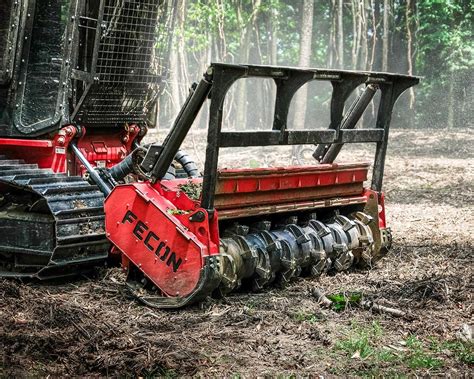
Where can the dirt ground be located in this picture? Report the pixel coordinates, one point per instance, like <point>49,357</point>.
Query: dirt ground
<point>93,327</point>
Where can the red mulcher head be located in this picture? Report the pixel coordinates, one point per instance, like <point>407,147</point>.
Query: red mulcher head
<point>183,240</point>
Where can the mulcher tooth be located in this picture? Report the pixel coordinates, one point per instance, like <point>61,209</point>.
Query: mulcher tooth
<point>230,258</point>
<point>324,233</point>
<point>350,228</point>
<point>363,217</point>
<point>263,272</point>
<point>293,255</point>
<point>288,263</point>
<point>344,261</point>
<point>341,255</point>
<point>304,243</point>
<point>320,267</point>
<point>319,258</point>
<point>260,226</point>
<point>236,230</point>
<point>364,253</point>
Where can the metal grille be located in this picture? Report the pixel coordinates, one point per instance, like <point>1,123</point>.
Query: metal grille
<point>134,39</point>
<point>8,27</point>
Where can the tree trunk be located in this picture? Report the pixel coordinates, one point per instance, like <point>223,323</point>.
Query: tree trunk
<point>175,63</point>
<point>386,33</point>
<point>340,34</point>
<point>332,36</point>
<point>221,41</point>
<point>364,40</point>
<point>304,61</point>
<point>273,37</point>
<point>183,78</point>
<point>375,10</point>
<point>450,123</point>
<point>356,6</point>
<point>244,53</point>
<point>408,16</point>
<point>174,82</point>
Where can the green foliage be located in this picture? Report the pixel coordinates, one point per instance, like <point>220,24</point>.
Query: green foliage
<point>253,163</point>
<point>419,357</point>
<point>160,371</point>
<point>364,343</point>
<point>445,36</point>
<point>191,189</point>
<point>463,351</point>
<point>342,300</point>
<point>361,341</point>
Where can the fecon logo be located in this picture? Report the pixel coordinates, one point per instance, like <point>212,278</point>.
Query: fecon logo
<point>152,241</point>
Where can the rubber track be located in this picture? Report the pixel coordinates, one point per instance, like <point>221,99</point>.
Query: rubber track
<point>76,207</point>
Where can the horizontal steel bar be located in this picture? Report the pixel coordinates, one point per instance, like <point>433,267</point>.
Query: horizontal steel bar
<point>269,138</point>
<point>360,135</point>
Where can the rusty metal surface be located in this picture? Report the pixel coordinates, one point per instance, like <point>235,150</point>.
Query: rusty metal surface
<point>246,188</point>
<point>226,214</point>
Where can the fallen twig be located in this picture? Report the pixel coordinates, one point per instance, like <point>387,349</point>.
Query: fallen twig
<point>382,309</point>
<point>321,297</point>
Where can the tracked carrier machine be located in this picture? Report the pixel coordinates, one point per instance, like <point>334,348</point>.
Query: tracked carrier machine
<point>78,83</point>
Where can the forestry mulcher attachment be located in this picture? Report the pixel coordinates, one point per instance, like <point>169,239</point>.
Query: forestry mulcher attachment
<point>78,82</point>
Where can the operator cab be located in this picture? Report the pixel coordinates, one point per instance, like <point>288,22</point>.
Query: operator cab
<point>87,62</point>
<point>33,48</point>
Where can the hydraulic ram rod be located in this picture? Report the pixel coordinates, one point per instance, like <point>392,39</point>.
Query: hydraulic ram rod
<point>328,155</point>
<point>181,127</point>
<point>94,175</point>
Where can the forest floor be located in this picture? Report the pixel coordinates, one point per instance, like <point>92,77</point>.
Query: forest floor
<point>93,327</point>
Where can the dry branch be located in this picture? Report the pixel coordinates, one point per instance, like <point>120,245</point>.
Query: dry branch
<point>370,305</point>
<point>321,297</point>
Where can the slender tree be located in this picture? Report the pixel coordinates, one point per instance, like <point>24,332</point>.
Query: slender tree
<point>386,33</point>
<point>340,34</point>
<point>408,18</point>
<point>304,61</point>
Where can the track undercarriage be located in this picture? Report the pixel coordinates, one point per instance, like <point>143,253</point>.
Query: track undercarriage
<point>53,225</point>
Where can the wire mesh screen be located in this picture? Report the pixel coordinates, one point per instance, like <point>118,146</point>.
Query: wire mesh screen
<point>131,59</point>
<point>8,26</point>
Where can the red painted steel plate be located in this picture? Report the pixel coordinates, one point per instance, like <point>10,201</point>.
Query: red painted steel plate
<point>256,187</point>
<point>139,222</point>
<point>25,142</point>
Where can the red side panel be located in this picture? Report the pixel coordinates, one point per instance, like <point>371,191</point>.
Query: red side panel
<point>248,192</point>
<point>102,150</point>
<point>46,153</point>
<point>149,231</point>
<point>252,192</point>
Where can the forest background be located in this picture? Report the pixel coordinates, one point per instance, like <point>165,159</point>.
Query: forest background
<point>429,38</point>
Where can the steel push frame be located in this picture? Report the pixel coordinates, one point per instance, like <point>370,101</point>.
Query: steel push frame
<point>288,81</point>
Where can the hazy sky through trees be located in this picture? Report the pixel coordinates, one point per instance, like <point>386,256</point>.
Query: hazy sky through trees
<point>430,38</point>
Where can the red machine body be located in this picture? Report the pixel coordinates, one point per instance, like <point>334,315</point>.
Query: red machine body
<point>102,150</point>
<point>182,239</point>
